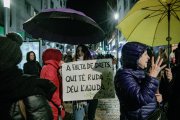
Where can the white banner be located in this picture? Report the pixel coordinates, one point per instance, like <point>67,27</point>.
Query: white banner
<point>89,79</point>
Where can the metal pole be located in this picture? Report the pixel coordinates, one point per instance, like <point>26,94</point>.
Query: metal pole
<point>169,37</point>
<point>6,15</point>
<point>117,46</point>
<point>117,41</point>
<point>6,20</point>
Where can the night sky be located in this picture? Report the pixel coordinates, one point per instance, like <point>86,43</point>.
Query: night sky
<point>98,10</point>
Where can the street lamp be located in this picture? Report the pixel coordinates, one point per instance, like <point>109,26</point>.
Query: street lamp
<point>6,15</point>
<point>116,17</point>
<point>6,3</point>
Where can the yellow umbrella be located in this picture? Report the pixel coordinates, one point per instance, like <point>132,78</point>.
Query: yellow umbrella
<point>153,22</point>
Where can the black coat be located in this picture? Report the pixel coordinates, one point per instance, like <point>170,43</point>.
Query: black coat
<point>35,92</point>
<point>32,68</point>
<point>36,108</point>
<point>170,93</point>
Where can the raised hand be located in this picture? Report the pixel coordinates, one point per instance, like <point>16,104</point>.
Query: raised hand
<point>156,67</point>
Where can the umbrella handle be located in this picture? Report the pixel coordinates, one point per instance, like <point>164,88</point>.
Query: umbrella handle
<point>168,39</point>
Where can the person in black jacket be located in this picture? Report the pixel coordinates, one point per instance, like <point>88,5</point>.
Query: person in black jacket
<point>170,87</point>
<point>33,92</point>
<point>134,87</point>
<point>32,66</point>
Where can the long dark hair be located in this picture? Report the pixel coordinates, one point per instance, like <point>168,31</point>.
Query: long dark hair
<point>85,50</point>
<point>28,56</point>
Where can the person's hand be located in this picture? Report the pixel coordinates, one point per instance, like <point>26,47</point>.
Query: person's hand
<point>60,67</point>
<point>61,62</point>
<point>156,67</point>
<point>158,97</point>
<point>60,71</point>
<point>168,74</point>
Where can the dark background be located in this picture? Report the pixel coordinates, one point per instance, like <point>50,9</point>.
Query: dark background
<point>1,13</point>
<point>100,11</point>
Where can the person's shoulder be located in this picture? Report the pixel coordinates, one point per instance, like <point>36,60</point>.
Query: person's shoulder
<point>28,63</point>
<point>25,63</point>
<point>121,73</point>
<point>33,100</point>
<point>123,76</point>
<point>28,76</point>
<point>124,71</point>
<point>37,62</point>
<point>35,97</point>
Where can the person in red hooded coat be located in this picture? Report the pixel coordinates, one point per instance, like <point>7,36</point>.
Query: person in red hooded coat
<point>52,62</point>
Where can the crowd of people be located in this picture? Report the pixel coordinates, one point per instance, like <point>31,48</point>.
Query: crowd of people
<point>35,93</point>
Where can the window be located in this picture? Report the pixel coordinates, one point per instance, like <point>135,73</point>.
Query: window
<point>28,7</point>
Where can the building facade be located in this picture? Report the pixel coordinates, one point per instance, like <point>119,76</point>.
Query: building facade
<point>22,10</point>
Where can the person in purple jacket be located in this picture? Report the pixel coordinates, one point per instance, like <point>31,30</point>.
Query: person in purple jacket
<point>136,88</point>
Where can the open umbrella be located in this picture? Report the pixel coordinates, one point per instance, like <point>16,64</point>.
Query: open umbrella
<point>153,22</point>
<point>64,25</point>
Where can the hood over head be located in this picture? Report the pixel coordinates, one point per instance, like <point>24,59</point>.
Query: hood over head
<point>131,52</point>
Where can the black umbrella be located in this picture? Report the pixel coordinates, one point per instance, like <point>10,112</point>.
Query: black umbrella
<point>64,25</point>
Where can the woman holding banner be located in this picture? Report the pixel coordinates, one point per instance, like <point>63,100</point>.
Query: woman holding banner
<point>84,109</point>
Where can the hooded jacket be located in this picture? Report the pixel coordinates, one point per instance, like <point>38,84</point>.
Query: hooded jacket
<point>135,89</point>
<point>14,86</point>
<point>51,59</point>
<point>33,91</point>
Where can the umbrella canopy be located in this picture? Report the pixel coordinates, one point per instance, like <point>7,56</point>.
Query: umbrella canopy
<point>64,25</point>
<point>147,22</point>
<point>153,22</point>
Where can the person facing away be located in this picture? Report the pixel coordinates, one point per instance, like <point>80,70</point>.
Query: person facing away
<point>170,87</point>
<point>52,62</point>
<point>134,87</point>
<point>84,109</point>
<point>32,66</point>
<point>15,86</point>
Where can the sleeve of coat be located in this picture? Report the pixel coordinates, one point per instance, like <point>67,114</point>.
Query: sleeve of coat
<point>48,73</point>
<point>25,68</point>
<point>37,108</point>
<point>39,66</point>
<point>143,93</point>
<point>51,74</point>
